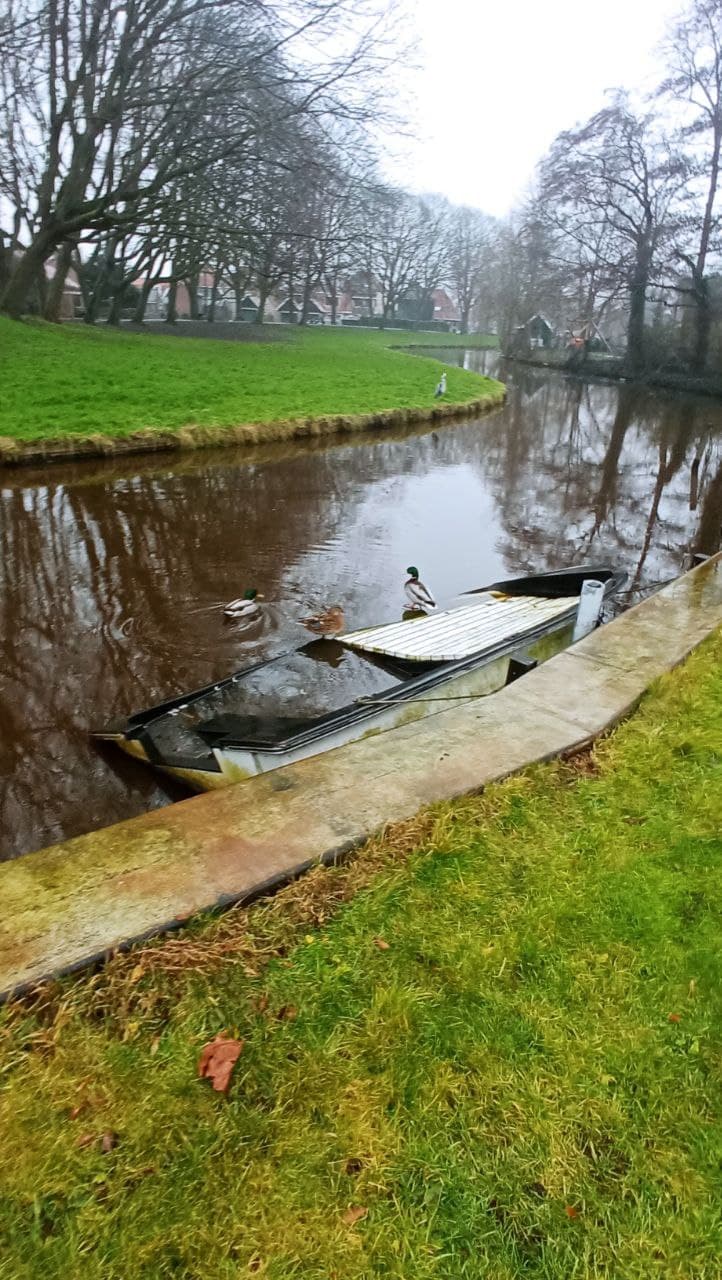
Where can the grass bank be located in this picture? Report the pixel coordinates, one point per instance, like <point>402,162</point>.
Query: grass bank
<point>488,1046</point>
<point>72,384</point>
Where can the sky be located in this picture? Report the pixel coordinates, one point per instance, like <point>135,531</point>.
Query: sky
<point>497,80</point>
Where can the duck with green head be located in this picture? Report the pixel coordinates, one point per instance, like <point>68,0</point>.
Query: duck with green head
<point>246,606</point>
<point>419,597</point>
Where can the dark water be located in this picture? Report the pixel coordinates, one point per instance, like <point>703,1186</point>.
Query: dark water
<point>112,576</point>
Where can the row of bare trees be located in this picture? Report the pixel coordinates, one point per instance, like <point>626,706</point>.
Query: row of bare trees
<point>126,124</point>
<point>149,141</point>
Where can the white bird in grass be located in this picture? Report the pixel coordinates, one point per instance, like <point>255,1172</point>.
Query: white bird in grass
<point>246,606</point>
<point>419,597</point>
<point>440,387</point>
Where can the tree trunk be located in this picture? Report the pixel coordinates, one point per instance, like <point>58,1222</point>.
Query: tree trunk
<point>116,304</point>
<point>334,303</point>
<point>54,300</point>
<point>24,277</point>
<point>702,324</point>
<point>214,299</point>
<point>192,287</point>
<point>637,302</point>
<point>142,303</point>
<point>171,314</point>
<point>262,300</point>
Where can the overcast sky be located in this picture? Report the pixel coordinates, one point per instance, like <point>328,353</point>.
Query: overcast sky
<point>498,80</point>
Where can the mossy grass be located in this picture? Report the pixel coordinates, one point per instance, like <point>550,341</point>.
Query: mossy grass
<point>497,1030</point>
<point>70,382</point>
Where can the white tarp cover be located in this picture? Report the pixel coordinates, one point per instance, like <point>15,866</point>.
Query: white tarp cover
<point>458,633</point>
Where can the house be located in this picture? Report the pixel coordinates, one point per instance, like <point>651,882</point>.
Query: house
<point>540,331</point>
<point>445,309</point>
<point>319,309</point>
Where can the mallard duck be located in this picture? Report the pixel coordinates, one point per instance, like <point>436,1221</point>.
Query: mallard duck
<point>419,597</point>
<point>246,606</point>
<point>328,623</point>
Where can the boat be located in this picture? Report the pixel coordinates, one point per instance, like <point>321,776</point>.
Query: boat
<point>331,692</point>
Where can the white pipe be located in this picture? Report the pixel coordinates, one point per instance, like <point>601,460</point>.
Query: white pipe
<point>590,607</point>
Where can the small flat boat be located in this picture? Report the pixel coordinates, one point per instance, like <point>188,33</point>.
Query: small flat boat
<point>331,692</point>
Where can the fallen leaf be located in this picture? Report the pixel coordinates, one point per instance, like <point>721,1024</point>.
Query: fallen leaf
<point>287,1013</point>
<point>217,1061</point>
<point>75,1111</point>
<point>382,944</point>
<point>85,1140</point>
<point>137,973</point>
<point>108,1142</point>
<point>353,1166</point>
<point>674,1017</point>
<point>154,1046</point>
<point>353,1215</point>
<point>570,1211</point>
<point>262,1002</point>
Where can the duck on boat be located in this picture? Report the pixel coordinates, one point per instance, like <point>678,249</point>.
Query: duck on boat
<point>419,598</point>
<point>333,691</point>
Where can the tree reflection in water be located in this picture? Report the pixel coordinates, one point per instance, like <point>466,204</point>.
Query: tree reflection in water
<point>113,577</point>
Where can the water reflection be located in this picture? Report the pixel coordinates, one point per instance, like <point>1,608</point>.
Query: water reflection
<point>114,577</point>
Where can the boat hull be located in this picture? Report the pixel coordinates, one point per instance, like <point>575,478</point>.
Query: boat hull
<point>238,764</point>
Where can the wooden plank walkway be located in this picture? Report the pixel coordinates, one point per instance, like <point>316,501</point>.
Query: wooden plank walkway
<point>62,907</point>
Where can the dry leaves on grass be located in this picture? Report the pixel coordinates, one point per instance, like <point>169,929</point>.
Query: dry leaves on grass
<point>674,1017</point>
<point>354,1214</point>
<point>217,1061</point>
<point>382,944</point>
<point>287,1013</point>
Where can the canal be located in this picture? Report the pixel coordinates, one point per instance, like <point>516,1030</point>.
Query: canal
<point>113,575</point>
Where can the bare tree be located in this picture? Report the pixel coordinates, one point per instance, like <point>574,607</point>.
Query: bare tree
<point>694,58</point>
<point>614,180</point>
<point>471,236</point>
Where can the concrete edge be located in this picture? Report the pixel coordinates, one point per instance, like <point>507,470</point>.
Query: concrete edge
<point>269,887</point>
<point>576,737</point>
<point>22,453</point>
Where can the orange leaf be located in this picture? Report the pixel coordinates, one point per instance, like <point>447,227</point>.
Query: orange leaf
<point>674,1017</point>
<point>262,1002</point>
<point>217,1061</point>
<point>75,1111</point>
<point>570,1211</point>
<point>353,1215</point>
<point>382,944</point>
<point>287,1012</point>
<point>109,1140</point>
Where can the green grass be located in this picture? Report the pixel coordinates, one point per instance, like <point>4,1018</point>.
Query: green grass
<point>502,1089</point>
<point>79,381</point>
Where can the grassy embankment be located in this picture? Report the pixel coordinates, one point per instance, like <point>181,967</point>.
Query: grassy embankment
<point>521,1080</point>
<point>75,382</point>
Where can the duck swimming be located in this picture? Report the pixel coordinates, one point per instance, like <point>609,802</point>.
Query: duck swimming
<point>328,623</point>
<point>246,606</point>
<point>419,597</point>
